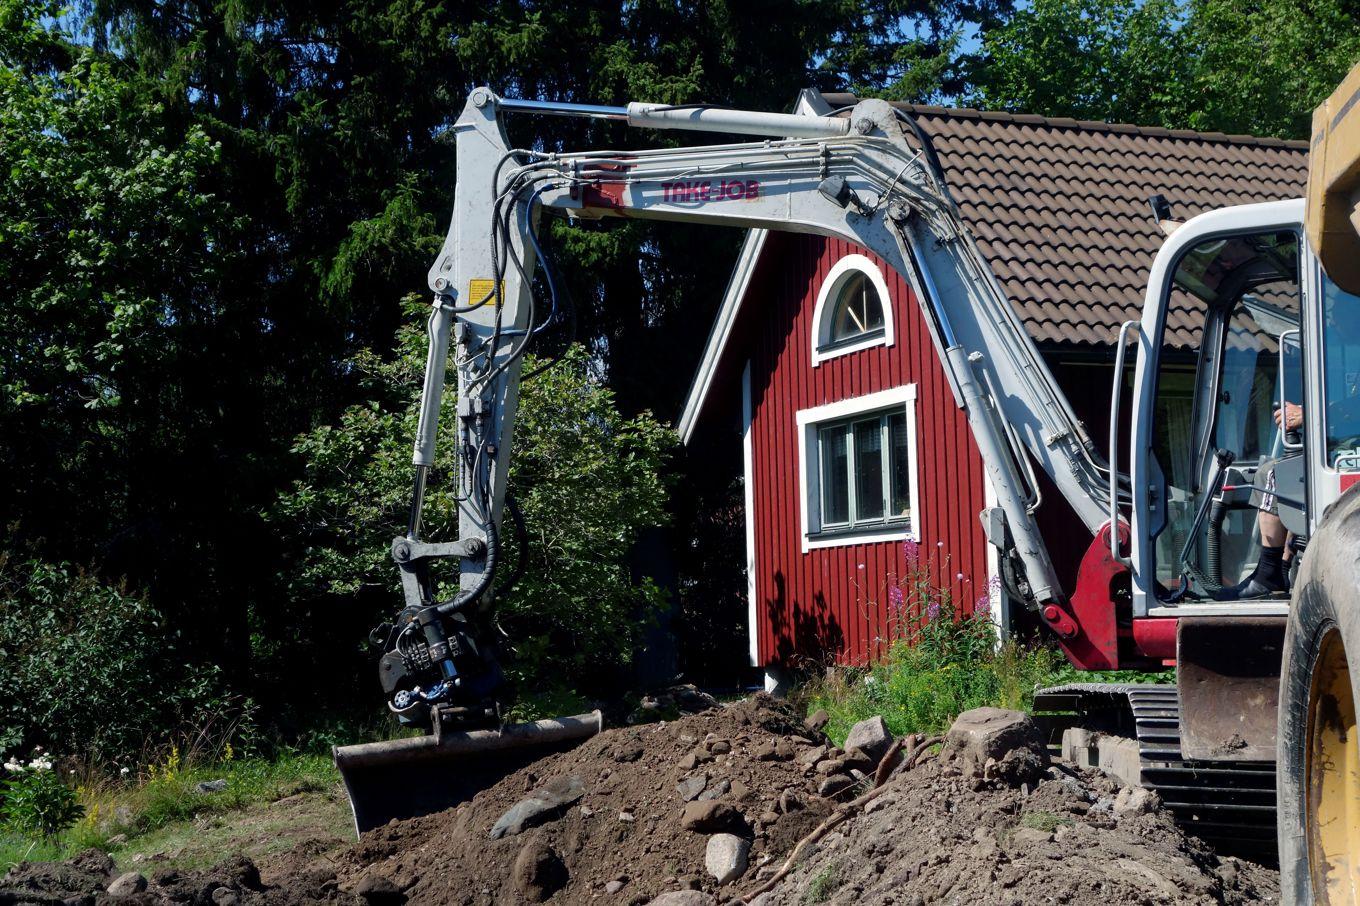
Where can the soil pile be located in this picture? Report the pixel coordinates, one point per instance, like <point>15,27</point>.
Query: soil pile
<point>704,808</point>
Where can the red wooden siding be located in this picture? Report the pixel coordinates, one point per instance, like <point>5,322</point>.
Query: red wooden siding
<point>832,602</point>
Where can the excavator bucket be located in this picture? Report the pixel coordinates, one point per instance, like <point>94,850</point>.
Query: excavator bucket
<point>405,778</point>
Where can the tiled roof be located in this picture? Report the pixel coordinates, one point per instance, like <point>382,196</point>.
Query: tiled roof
<point>1060,207</point>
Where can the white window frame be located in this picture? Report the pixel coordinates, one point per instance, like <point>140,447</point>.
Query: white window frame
<point>809,421</point>
<point>840,274</point>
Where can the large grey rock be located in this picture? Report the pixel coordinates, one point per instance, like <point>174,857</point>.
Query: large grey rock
<point>871,737</point>
<point>127,884</point>
<point>726,857</point>
<point>545,804</point>
<point>997,743</point>
<point>710,817</point>
<point>690,788</point>
<point>1135,800</point>
<point>211,786</point>
<point>683,898</point>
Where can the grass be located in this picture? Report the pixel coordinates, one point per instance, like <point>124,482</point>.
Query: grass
<point>823,885</point>
<point>165,802</point>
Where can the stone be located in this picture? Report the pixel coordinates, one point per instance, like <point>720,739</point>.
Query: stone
<point>716,790</point>
<point>690,788</point>
<point>998,734</point>
<point>720,747</point>
<point>225,896</point>
<point>710,817</point>
<point>726,857</point>
<point>830,766</point>
<point>614,886</point>
<point>1029,837</point>
<point>1135,800</point>
<point>377,890</point>
<point>859,760</point>
<point>789,801</point>
<point>870,736</point>
<point>811,756</point>
<point>547,803</point>
<point>627,817</point>
<point>683,898</point>
<point>127,884</point>
<point>835,784</point>
<point>628,753</point>
<point>818,720</point>
<point>211,786</point>
<point>538,871</point>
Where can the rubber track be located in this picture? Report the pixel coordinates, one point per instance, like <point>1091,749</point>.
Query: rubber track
<point>1229,804</point>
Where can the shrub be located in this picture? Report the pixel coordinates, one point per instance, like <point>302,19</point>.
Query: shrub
<point>36,803</point>
<point>942,659</point>
<point>87,667</point>
<point>587,480</point>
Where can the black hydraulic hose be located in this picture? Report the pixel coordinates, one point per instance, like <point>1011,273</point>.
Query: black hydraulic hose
<point>469,596</point>
<point>1213,543</point>
<point>521,543</point>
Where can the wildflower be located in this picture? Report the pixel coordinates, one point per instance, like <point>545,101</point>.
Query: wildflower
<point>959,577</point>
<point>895,597</point>
<point>933,611</point>
<point>123,771</point>
<point>982,605</point>
<point>13,766</point>
<point>911,550</point>
<point>939,544</point>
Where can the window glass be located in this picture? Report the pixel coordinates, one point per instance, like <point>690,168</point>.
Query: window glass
<point>835,476</point>
<point>864,471</point>
<point>1341,381</point>
<point>869,469</point>
<point>858,310</point>
<point>901,478</point>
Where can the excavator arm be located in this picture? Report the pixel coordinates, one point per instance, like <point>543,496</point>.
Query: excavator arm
<point>867,175</point>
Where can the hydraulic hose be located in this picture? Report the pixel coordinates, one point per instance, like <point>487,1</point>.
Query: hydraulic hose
<point>469,596</point>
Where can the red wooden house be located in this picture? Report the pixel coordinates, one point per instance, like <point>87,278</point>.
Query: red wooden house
<point>820,359</point>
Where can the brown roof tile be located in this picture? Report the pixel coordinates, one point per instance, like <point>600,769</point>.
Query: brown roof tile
<point>1059,206</point>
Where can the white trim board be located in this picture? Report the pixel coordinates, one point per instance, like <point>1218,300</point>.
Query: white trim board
<point>808,420</point>
<point>749,494</point>
<point>737,286</point>
<point>840,272</point>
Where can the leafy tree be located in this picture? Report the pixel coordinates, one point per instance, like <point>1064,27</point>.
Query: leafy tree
<point>587,480</point>
<point>1219,65</point>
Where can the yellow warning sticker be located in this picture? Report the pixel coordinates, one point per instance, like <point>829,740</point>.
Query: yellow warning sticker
<point>481,290</point>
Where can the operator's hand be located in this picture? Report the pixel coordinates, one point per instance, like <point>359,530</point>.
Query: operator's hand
<point>1293,416</point>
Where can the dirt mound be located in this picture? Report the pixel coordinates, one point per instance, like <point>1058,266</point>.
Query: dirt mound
<point>709,806</point>
<point>941,835</point>
<point>640,806</point>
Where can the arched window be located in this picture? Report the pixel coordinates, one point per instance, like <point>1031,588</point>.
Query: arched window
<point>852,310</point>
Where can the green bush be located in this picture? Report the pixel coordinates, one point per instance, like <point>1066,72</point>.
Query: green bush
<point>87,667</point>
<point>35,802</point>
<point>943,660</point>
<point>587,480</point>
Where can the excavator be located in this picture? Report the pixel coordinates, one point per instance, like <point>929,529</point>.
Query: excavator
<point>1263,680</point>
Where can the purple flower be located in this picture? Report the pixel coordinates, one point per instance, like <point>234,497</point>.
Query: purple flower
<point>933,611</point>
<point>911,550</point>
<point>982,605</point>
<point>895,597</point>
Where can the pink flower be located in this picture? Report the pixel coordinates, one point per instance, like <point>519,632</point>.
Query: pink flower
<point>939,544</point>
<point>911,550</point>
<point>982,605</point>
<point>959,577</point>
<point>895,597</point>
<point>933,611</point>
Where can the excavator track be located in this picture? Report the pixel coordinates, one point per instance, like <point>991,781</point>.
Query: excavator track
<point>1228,804</point>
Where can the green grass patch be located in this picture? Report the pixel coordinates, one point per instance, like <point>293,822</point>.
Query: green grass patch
<point>823,885</point>
<point>166,795</point>
<point>1044,821</point>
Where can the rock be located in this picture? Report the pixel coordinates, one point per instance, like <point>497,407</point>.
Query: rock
<point>817,721</point>
<point>691,699</point>
<point>694,759</point>
<point>773,751</point>
<point>830,766</point>
<point>716,790</point>
<point>1135,800</point>
<point>211,786</point>
<point>538,871</point>
<point>613,886</point>
<point>546,804</point>
<point>225,896</point>
<point>127,884</point>
<point>726,857</point>
<point>683,898</point>
<point>377,890</point>
<point>871,737</point>
<point>690,788</point>
<point>711,817</point>
<point>626,817</point>
<point>118,839</point>
<point>1029,837</point>
<point>811,756</point>
<point>998,734</point>
<point>628,753</point>
<point>835,784</point>
<point>789,801</point>
<point>720,747</point>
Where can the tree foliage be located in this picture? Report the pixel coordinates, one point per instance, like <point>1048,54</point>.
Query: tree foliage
<point>586,479</point>
<point>1214,65</point>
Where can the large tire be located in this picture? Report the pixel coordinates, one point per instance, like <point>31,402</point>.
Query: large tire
<point>1318,770</point>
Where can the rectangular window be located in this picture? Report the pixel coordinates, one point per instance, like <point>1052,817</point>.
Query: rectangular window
<point>865,471</point>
